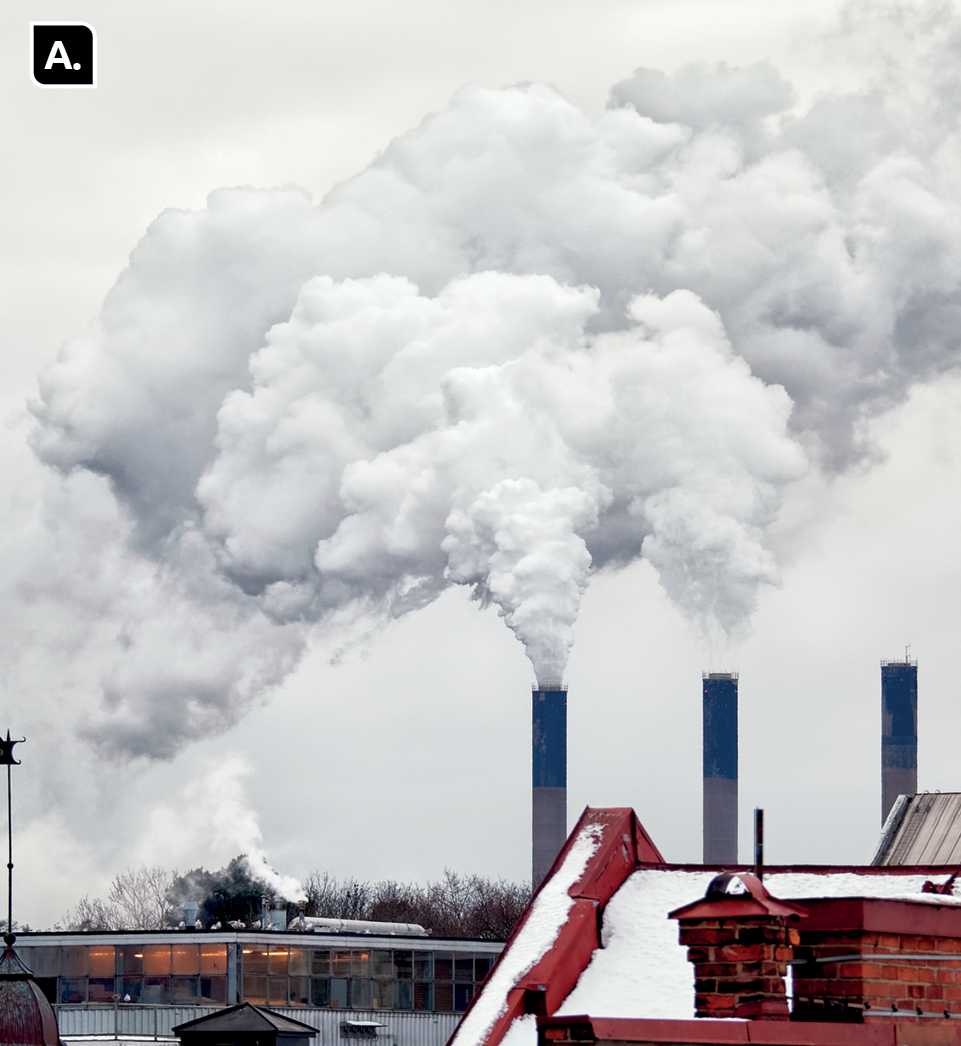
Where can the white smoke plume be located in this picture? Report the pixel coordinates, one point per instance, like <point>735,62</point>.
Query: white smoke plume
<point>212,816</point>
<point>522,346</point>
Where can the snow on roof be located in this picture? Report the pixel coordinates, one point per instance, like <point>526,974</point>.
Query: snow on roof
<point>894,886</point>
<point>522,1032</point>
<point>642,971</point>
<point>532,942</point>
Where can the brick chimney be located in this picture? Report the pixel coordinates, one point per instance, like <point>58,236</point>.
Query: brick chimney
<point>740,940</point>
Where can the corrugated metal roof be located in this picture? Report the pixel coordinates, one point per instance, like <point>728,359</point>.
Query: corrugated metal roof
<point>922,829</point>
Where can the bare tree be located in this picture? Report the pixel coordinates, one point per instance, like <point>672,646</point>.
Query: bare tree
<point>140,898</point>
<point>329,899</point>
<point>457,906</point>
<point>137,901</point>
<point>498,908</point>
<point>92,915</point>
<point>452,902</point>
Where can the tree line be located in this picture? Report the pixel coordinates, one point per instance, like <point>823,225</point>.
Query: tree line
<point>152,898</point>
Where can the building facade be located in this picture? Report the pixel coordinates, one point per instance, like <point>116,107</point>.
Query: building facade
<point>154,977</point>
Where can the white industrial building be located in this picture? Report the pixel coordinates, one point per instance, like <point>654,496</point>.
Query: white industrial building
<point>404,990</point>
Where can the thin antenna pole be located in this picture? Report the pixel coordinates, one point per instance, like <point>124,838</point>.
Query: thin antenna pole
<point>6,758</point>
<point>9,851</point>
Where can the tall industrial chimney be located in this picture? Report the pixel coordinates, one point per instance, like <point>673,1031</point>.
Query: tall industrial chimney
<point>549,736</point>
<point>899,731</point>
<point>720,767</point>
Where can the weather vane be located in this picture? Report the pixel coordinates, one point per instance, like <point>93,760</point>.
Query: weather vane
<point>6,759</point>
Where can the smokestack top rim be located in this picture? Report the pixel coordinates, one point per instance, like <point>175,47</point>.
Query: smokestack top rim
<point>546,688</point>
<point>719,675</point>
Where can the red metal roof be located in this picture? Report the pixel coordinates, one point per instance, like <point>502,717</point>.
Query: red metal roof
<point>623,846</point>
<point>763,1033</point>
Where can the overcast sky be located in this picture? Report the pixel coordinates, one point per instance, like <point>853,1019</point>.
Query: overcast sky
<point>522,301</point>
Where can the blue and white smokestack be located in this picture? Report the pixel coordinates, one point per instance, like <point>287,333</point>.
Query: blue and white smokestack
<point>720,767</point>
<point>899,731</point>
<point>549,811</point>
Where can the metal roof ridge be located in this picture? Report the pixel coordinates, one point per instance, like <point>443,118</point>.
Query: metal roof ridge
<point>787,869</point>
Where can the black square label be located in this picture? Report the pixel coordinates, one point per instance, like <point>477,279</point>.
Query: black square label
<point>63,54</point>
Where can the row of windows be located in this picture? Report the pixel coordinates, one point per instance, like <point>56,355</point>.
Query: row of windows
<point>358,993</point>
<point>278,960</point>
<point>276,975</point>
<point>152,960</point>
<point>156,991</point>
<point>210,960</point>
<point>323,992</point>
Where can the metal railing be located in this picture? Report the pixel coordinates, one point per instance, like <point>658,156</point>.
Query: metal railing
<point>138,1020</point>
<point>120,1021</point>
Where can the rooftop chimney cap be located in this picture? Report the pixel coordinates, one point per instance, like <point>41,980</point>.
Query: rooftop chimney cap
<point>729,884</point>
<point>733,894</point>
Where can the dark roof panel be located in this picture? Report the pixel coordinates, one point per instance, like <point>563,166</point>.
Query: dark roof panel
<point>246,1017</point>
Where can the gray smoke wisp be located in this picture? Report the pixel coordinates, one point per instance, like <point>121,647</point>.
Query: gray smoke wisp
<point>523,346</point>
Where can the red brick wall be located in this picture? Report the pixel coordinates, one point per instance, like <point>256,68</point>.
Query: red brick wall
<point>883,977</point>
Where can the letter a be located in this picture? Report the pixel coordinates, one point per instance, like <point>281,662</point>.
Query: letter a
<point>58,56</point>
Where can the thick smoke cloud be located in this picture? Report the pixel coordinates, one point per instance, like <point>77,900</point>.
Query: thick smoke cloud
<point>522,346</point>
<point>394,443</point>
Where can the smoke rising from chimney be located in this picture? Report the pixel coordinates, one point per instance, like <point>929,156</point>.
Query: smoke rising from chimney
<point>210,822</point>
<point>523,346</point>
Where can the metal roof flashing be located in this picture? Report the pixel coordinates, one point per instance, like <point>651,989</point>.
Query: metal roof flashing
<point>583,1030</point>
<point>883,915</point>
